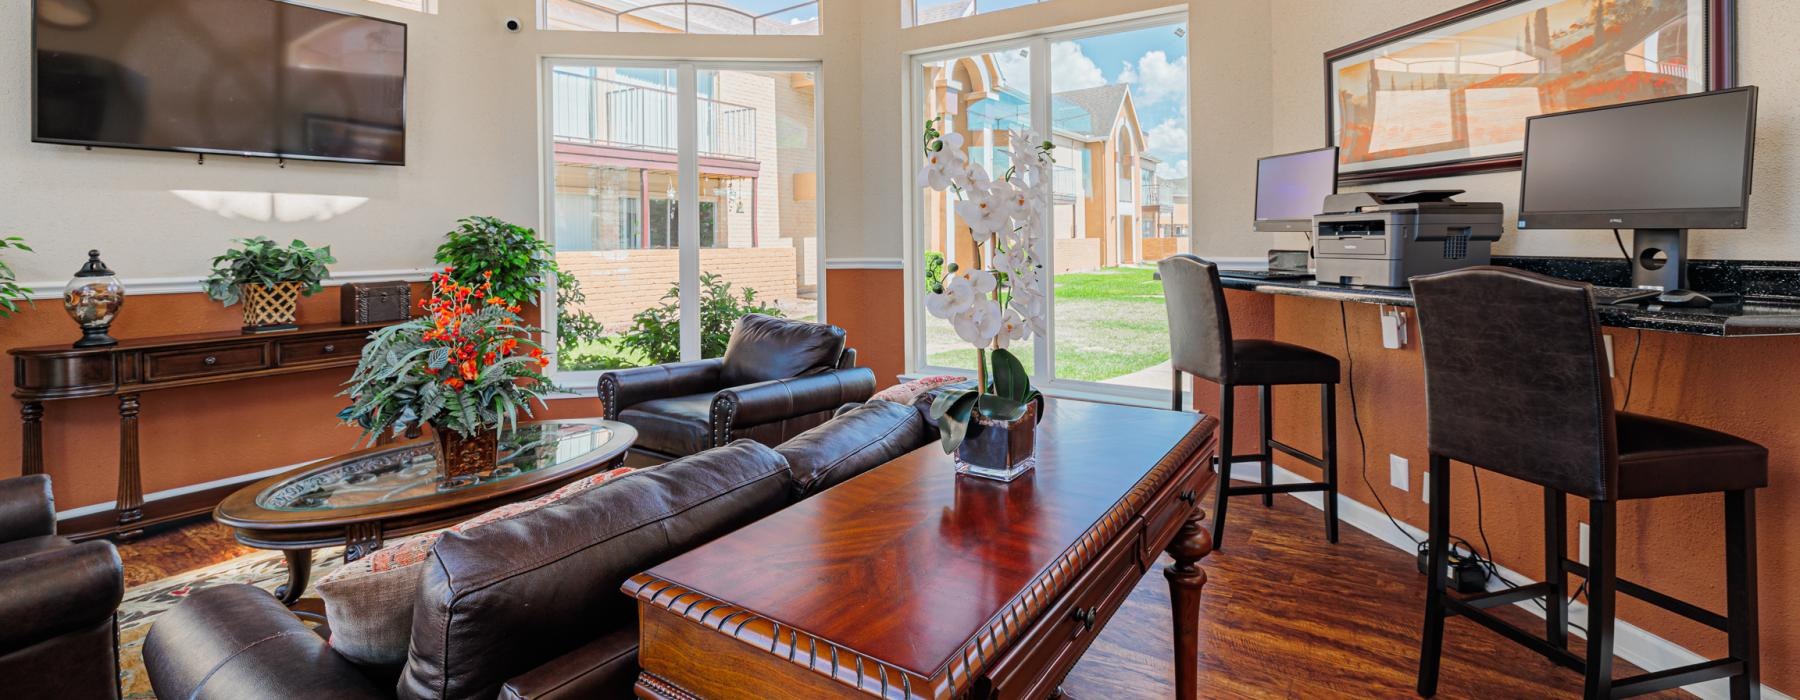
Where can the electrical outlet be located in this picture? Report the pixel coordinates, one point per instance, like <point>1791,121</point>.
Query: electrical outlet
<point>1425,487</point>
<point>1607,340</point>
<point>1397,472</point>
<point>1582,546</point>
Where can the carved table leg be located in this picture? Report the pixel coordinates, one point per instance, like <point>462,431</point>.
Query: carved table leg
<point>131,486</point>
<point>299,569</point>
<point>360,539</point>
<point>1186,578</point>
<point>31,414</point>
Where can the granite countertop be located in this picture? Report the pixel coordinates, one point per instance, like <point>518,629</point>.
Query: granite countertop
<point>1771,303</point>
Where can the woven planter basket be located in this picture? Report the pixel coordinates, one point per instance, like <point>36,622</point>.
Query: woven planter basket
<point>271,307</point>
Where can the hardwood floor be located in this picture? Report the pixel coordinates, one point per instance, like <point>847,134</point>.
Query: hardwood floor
<point>1285,615</point>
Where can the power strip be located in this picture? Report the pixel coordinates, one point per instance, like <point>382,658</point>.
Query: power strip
<point>1468,572</point>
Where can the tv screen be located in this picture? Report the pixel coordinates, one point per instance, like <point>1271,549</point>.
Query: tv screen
<point>241,77</point>
<point>1680,162</point>
<point>1291,188</point>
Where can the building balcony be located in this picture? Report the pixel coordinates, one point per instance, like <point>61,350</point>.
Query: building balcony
<point>596,111</point>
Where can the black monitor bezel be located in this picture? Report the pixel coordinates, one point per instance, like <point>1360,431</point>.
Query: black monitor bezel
<point>1289,225</point>
<point>1711,218</point>
<point>405,101</point>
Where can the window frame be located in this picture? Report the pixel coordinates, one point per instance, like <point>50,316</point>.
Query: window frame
<point>543,17</point>
<point>584,382</point>
<point>1041,45</point>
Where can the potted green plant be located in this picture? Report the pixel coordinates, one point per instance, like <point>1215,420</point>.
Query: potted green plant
<point>468,368</point>
<point>520,266</point>
<point>269,279</point>
<point>11,293</point>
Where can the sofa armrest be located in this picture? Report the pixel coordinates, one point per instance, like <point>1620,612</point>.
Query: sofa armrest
<point>26,508</point>
<point>848,359</point>
<point>56,591</point>
<point>781,399</point>
<point>237,641</point>
<point>604,668</point>
<point>621,389</point>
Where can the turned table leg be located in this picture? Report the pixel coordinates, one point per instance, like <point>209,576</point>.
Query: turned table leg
<point>1186,579</point>
<point>130,506</point>
<point>299,569</point>
<point>31,415</point>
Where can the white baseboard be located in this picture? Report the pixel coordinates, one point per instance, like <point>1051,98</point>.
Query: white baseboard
<point>171,493</point>
<point>1634,644</point>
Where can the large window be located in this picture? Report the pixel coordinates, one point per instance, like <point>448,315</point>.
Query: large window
<point>753,17</point>
<point>921,12</point>
<point>680,196</point>
<point>1114,100</point>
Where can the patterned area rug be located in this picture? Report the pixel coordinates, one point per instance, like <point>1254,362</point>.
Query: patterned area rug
<point>265,570</point>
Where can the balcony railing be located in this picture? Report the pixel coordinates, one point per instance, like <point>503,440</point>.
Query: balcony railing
<point>1067,183</point>
<point>607,112</point>
<point>1159,195</point>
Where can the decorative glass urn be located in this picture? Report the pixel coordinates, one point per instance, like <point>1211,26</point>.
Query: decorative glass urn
<point>93,299</point>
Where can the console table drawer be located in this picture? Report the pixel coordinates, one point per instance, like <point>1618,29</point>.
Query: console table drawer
<point>182,364</point>
<point>1070,625</point>
<point>314,350</point>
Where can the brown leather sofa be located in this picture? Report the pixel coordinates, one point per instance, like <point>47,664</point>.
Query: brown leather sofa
<point>59,601</point>
<point>529,607</point>
<point>778,378</point>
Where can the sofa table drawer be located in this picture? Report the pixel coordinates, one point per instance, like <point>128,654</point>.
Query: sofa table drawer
<point>316,350</point>
<point>183,364</point>
<point>1058,639</point>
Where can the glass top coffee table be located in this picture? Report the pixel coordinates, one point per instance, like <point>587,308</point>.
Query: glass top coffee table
<point>360,499</point>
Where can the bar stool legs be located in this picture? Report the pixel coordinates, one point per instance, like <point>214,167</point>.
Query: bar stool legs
<point>1267,446</point>
<point>1431,649</point>
<point>1556,549</point>
<point>1603,574</point>
<point>1328,413</point>
<point>1267,454</point>
<point>1740,587</point>
<point>1227,412</point>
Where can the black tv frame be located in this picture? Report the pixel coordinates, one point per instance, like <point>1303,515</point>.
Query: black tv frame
<point>1288,225</point>
<point>1716,218</point>
<point>405,64</point>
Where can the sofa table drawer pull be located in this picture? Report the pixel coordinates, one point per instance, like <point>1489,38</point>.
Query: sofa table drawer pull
<point>1190,496</point>
<point>1086,617</point>
<point>211,360</point>
<point>330,349</point>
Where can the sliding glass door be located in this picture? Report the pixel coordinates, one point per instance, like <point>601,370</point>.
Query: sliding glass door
<point>1114,102</point>
<point>679,196</point>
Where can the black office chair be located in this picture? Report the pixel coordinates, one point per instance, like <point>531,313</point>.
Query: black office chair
<point>1201,344</point>
<point>1516,382</point>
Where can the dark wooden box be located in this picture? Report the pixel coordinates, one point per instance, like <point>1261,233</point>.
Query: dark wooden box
<point>376,302</point>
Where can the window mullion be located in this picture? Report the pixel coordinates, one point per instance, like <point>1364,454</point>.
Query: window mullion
<point>688,219</point>
<point>1041,120</point>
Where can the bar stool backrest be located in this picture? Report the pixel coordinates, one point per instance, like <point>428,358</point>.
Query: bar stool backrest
<point>1199,323</point>
<point>1515,378</point>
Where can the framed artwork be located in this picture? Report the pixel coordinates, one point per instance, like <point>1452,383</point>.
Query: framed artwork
<point>1449,95</point>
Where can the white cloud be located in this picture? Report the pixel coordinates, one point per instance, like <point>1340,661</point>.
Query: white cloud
<point>1168,138</point>
<point>1155,78</point>
<point>1070,69</point>
<point>1172,171</point>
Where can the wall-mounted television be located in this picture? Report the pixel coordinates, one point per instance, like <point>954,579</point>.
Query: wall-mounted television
<point>261,78</point>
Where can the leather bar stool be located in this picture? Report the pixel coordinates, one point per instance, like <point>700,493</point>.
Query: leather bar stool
<point>1516,383</point>
<point>1200,335</point>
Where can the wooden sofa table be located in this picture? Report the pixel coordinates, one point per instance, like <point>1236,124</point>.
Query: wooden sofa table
<point>912,582</point>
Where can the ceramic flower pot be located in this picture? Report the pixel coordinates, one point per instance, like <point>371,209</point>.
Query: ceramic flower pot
<point>999,450</point>
<point>463,456</point>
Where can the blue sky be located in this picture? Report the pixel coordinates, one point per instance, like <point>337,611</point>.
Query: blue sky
<point>1154,61</point>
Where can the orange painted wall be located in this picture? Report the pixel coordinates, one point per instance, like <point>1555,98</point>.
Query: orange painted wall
<point>1252,317</point>
<point>192,435</point>
<point>1745,386</point>
<point>870,306</point>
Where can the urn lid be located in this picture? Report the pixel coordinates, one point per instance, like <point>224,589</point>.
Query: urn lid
<point>94,267</point>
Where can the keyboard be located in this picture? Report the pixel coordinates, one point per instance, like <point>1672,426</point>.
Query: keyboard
<point>1606,296</point>
<point>1266,275</point>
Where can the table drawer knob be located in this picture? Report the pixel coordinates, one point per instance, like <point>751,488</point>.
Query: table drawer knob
<point>211,360</point>
<point>330,349</point>
<point>1190,497</point>
<point>1087,617</point>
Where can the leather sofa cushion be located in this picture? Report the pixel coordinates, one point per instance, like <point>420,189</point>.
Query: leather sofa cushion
<point>498,601</point>
<point>764,348</point>
<point>31,545</point>
<point>677,426</point>
<point>857,440</point>
<point>604,668</point>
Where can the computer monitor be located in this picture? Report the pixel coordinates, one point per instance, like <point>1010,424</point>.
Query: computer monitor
<point>1291,188</point>
<point>1658,166</point>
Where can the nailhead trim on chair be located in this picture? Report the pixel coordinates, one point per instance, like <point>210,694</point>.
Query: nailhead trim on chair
<point>724,409</point>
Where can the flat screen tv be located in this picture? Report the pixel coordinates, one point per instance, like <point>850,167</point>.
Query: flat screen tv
<point>242,77</point>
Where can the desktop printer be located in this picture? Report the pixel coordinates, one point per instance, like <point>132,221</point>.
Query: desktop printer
<point>1383,239</point>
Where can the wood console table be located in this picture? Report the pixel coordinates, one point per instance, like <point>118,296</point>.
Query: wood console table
<point>910,582</point>
<point>134,366</point>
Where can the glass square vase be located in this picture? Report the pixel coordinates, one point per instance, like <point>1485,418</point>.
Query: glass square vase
<point>999,450</point>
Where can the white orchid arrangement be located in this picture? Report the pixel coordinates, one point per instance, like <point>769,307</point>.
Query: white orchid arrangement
<point>999,298</point>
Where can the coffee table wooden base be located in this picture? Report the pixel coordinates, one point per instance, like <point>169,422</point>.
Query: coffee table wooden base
<point>299,569</point>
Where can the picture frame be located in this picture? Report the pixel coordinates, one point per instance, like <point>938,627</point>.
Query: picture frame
<point>1448,95</point>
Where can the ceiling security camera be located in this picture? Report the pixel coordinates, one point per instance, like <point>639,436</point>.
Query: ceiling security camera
<point>512,24</point>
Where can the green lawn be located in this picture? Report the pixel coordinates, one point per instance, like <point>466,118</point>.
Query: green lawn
<point>1110,323</point>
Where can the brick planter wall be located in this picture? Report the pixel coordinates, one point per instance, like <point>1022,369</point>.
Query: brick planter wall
<point>621,283</point>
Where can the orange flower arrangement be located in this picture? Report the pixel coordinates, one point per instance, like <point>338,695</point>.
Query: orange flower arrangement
<point>468,364</point>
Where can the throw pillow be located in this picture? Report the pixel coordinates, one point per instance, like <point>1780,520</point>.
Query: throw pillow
<point>904,394</point>
<point>369,602</point>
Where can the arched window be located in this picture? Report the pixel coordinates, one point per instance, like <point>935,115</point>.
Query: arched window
<point>742,17</point>
<point>915,13</point>
<point>425,6</point>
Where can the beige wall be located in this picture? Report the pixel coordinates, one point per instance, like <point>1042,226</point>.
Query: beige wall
<point>1766,58</point>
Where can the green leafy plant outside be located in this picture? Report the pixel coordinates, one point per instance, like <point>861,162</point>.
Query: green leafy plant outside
<point>262,262</point>
<point>11,293</point>
<point>656,332</point>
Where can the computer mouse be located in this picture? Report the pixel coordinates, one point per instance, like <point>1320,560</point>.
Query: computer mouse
<point>1683,298</point>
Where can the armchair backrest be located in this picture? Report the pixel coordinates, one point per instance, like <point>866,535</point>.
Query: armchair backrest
<point>764,348</point>
<point>505,598</point>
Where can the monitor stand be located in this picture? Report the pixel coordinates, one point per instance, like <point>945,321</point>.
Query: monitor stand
<point>1660,261</point>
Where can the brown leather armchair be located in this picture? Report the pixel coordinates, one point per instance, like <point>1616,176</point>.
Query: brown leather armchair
<point>58,601</point>
<point>778,378</point>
